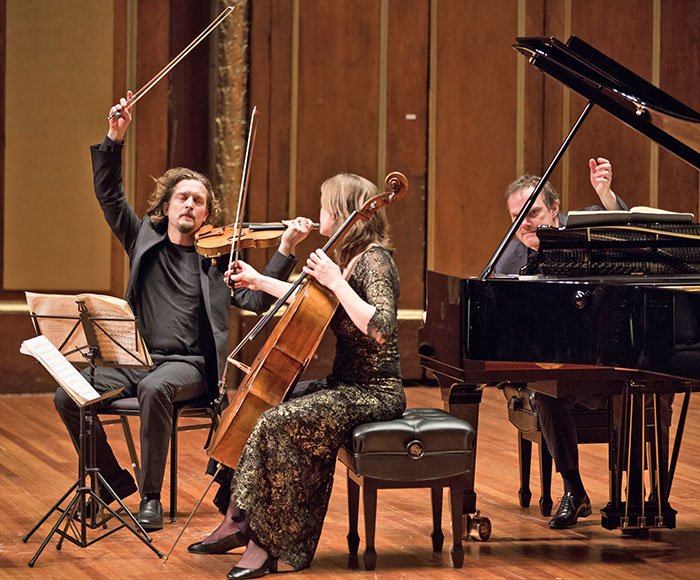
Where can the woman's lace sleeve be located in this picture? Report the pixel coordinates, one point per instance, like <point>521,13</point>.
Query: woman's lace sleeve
<point>379,280</point>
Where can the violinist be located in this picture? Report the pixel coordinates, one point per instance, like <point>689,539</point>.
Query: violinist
<point>281,488</point>
<point>181,302</point>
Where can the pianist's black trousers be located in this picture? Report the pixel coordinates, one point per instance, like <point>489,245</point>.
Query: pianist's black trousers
<point>559,430</point>
<point>157,389</point>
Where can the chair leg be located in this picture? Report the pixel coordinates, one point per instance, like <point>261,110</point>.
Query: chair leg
<point>437,536</point>
<point>524,462</point>
<point>131,447</point>
<point>369,501</point>
<point>545,479</point>
<point>353,509</point>
<point>173,471</point>
<point>456,494</point>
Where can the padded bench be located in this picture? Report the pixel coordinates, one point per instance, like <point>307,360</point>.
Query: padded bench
<point>423,448</point>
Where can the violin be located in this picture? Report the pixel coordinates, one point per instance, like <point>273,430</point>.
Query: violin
<point>212,242</point>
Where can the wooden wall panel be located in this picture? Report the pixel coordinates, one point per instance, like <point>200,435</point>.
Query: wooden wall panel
<point>406,145</point>
<point>270,90</point>
<point>603,135</point>
<point>188,106</point>
<point>3,67</point>
<point>338,98</point>
<point>151,114</point>
<point>320,86</point>
<point>475,151</point>
<point>51,49</point>
<point>532,103</point>
<point>679,183</point>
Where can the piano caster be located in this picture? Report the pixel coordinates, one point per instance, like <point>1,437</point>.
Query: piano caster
<point>478,528</point>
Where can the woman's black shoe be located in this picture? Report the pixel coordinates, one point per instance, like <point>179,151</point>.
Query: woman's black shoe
<point>237,573</point>
<point>235,540</point>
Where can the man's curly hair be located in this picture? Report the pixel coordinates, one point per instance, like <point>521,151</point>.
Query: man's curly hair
<point>163,191</point>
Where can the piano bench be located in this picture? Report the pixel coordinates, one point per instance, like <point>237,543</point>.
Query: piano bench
<point>423,448</point>
<point>592,426</point>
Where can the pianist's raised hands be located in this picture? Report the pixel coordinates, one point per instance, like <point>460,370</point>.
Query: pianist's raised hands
<point>601,180</point>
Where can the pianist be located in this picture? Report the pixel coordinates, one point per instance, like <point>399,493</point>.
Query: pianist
<point>554,415</point>
<point>545,212</point>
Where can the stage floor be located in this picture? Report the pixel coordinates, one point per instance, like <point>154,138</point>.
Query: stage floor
<point>39,464</point>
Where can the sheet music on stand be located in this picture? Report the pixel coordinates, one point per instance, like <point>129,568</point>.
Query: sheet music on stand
<point>113,327</point>
<point>65,374</point>
<point>94,330</point>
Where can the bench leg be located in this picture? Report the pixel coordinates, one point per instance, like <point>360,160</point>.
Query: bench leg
<point>369,498</point>
<point>456,494</point>
<point>353,509</point>
<point>524,459</point>
<point>437,536</point>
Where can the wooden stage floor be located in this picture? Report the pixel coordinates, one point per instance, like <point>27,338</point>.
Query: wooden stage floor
<point>38,464</point>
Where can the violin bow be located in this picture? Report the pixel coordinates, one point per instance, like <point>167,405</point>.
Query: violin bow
<point>168,67</point>
<point>243,193</point>
<point>233,257</point>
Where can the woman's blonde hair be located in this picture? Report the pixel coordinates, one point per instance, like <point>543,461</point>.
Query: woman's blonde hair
<point>340,196</point>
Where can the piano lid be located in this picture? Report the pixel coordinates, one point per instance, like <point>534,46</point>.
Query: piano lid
<point>619,91</point>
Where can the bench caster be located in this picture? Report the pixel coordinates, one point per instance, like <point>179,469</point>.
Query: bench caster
<point>478,528</point>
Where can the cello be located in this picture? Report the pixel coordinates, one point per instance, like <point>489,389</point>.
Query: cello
<point>291,345</point>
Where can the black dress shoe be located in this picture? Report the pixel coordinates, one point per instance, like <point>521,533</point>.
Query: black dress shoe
<point>237,573</point>
<point>150,515</point>
<point>570,509</point>
<point>235,540</point>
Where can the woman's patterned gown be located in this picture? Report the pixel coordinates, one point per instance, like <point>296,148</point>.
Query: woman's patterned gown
<point>285,475</point>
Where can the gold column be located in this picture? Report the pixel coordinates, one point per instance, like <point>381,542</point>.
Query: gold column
<point>229,102</point>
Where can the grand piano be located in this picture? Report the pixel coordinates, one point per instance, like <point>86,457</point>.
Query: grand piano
<point>609,310</point>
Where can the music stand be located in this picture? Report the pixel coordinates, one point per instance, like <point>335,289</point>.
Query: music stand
<point>117,351</point>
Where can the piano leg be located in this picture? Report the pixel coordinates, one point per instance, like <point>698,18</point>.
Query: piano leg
<point>630,452</point>
<point>462,401</point>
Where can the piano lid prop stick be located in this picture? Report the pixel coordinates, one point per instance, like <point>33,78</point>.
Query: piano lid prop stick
<point>533,196</point>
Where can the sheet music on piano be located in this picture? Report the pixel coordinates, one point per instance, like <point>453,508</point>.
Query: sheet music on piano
<point>638,214</point>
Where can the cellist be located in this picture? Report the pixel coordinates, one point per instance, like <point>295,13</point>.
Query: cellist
<point>280,491</point>
<point>181,301</point>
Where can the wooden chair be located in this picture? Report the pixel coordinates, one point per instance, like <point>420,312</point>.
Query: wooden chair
<point>129,407</point>
<point>425,448</point>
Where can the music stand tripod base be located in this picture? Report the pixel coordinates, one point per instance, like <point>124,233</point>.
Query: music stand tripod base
<point>83,496</point>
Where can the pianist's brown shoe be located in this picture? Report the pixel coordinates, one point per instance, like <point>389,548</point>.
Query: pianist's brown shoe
<point>571,508</point>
